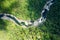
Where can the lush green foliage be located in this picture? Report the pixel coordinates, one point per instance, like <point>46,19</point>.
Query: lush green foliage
<point>29,10</point>
<point>23,9</point>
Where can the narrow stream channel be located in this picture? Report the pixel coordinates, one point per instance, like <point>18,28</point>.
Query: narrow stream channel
<point>42,19</point>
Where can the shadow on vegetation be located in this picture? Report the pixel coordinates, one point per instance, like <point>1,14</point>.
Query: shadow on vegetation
<point>36,6</point>
<point>1,1</point>
<point>2,25</point>
<point>52,23</point>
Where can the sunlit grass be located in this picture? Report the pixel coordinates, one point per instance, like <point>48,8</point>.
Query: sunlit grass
<point>7,3</point>
<point>14,32</point>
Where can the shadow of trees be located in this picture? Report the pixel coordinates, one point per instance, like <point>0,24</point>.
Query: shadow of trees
<point>2,25</point>
<point>53,18</point>
<point>36,6</point>
<point>52,23</point>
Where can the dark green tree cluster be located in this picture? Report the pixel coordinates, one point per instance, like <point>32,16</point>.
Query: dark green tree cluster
<point>52,24</point>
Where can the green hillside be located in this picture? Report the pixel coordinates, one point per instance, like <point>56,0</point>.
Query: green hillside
<point>29,10</point>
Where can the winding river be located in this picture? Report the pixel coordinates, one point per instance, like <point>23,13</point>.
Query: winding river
<point>28,23</point>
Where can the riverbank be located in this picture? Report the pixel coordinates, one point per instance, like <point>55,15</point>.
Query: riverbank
<point>29,23</point>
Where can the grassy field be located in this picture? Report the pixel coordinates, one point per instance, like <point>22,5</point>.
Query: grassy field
<point>29,10</point>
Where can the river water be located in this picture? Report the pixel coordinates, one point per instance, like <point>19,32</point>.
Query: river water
<point>42,19</point>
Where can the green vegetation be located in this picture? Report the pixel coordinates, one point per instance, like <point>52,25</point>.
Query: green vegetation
<point>29,10</point>
<point>22,9</point>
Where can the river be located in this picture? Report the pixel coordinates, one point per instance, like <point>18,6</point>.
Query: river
<point>28,23</point>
